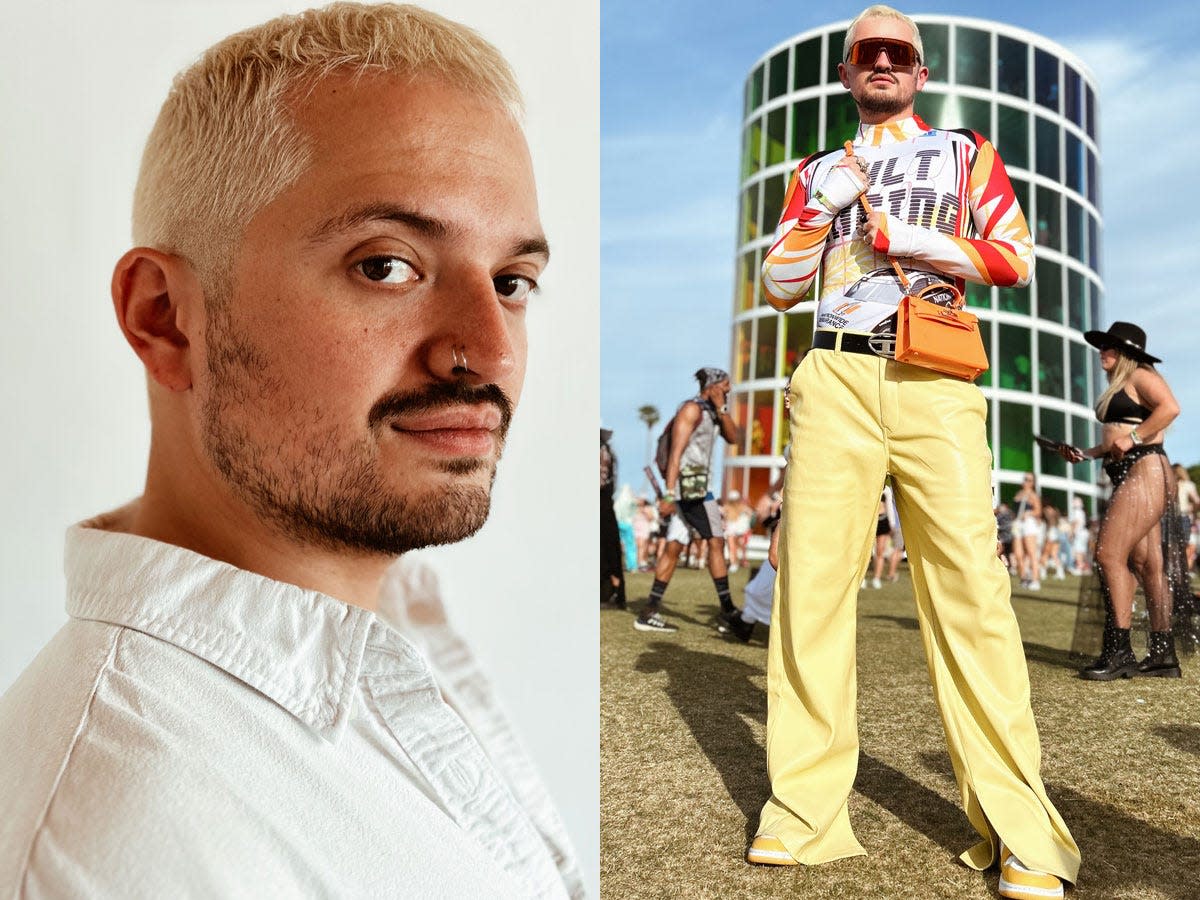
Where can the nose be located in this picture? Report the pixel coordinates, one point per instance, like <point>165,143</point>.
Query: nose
<point>477,338</point>
<point>887,64</point>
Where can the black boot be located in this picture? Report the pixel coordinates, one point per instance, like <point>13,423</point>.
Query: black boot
<point>1116,659</point>
<point>1161,663</point>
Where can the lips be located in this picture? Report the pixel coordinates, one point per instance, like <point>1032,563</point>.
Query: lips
<point>454,431</point>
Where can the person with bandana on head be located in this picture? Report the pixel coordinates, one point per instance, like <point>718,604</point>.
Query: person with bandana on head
<point>687,501</point>
<point>943,209</point>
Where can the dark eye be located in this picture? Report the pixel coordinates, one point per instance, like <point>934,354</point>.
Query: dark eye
<point>387,270</point>
<point>514,288</point>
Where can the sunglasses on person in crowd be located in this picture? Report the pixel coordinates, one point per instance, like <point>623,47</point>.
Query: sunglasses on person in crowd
<point>866,51</point>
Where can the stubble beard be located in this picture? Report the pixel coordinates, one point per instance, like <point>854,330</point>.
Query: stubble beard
<point>308,483</point>
<point>888,104</point>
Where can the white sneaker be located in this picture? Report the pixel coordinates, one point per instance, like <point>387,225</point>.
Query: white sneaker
<point>1035,585</point>
<point>876,583</point>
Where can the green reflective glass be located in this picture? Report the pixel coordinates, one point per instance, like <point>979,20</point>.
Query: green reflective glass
<point>1051,374</point>
<point>1016,436</point>
<point>1015,369</point>
<point>973,62</point>
<point>1048,283</point>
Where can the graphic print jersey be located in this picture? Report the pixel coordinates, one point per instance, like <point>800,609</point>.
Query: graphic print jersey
<point>949,214</point>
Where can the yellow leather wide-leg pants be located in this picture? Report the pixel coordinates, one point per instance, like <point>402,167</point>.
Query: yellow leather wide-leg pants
<point>857,419</point>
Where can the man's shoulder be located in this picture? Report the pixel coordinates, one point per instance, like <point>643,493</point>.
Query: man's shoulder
<point>99,737</point>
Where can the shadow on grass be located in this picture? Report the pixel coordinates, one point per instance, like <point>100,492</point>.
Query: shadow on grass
<point>715,709</point>
<point>1181,737</point>
<point>1051,656</point>
<point>1119,851</point>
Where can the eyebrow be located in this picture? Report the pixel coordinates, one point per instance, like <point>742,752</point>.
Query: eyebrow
<point>436,229</point>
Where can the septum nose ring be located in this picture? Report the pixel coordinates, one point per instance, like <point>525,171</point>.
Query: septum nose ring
<point>459,355</point>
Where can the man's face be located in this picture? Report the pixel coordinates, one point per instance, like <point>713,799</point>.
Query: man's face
<point>881,86</point>
<point>360,378</point>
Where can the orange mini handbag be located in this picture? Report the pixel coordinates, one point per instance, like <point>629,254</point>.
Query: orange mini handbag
<point>945,339</point>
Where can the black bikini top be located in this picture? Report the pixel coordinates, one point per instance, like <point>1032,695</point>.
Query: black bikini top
<point>1123,408</point>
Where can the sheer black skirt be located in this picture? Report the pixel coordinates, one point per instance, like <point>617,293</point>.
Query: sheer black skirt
<point>1142,514</point>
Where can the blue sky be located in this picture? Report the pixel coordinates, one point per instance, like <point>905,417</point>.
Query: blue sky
<point>671,112</point>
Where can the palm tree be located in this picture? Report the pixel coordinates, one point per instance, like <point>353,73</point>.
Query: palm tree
<point>649,415</point>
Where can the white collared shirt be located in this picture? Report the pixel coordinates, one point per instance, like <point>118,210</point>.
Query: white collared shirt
<point>200,730</point>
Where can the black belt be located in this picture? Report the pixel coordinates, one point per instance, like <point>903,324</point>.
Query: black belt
<point>844,341</point>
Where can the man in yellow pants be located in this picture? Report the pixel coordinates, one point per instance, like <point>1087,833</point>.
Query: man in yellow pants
<point>860,418</point>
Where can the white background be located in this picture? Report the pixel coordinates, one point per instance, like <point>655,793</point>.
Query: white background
<point>80,85</point>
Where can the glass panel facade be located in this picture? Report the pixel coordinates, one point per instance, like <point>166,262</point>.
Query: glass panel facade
<point>1094,246</point>
<point>777,79</point>
<point>985,332</point>
<point>749,214</point>
<point>1016,437</point>
<point>1076,301</point>
<point>754,90</point>
<point>1049,218</point>
<point>1075,227</point>
<point>841,119</point>
<point>752,148</point>
<point>1094,295</point>
<point>741,351</point>
<point>1093,191</point>
<point>773,191</point>
<point>1079,372</point>
<point>747,281</point>
<point>805,137</point>
<point>1075,163</point>
<point>1021,190</point>
<point>976,115</point>
<point>1049,292</point>
<point>797,340</point>
<point>761,426</point>
<point>1090,111</point>
<point>764,358</point>
<point>1052,381</point>
<point>1016,366</point>
<point>931,106</point>
<point>1013,299</point>
<point>936,39</point>
<point>1046,142</point>
<point>777,136</point>
<point>836,39</point>
<point>1052,424</point>
<point>1045,79</point>
<point>807,65</point>
<point>978,295</point>
<point>973,57</point>
<point>1012,66</point>
<point>1072,95</point>
<point>739,405</point>
<point>1012,139</point>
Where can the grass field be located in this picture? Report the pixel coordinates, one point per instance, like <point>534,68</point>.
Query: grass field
<point>683,769</point>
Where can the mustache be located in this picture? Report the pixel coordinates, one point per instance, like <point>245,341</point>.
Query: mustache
<point>440,395</point>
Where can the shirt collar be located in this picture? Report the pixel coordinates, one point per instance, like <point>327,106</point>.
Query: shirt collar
<point>890,132</point>
<point>301,648</point>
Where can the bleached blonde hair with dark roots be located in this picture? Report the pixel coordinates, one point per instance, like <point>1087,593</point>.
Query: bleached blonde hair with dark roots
<point>880,11</point>
<point>225,143</point>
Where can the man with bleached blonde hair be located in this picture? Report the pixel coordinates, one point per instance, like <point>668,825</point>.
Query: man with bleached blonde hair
<point>337,232</point>
<point>904,206</point>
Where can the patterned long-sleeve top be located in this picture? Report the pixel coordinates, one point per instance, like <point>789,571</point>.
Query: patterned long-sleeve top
<point>948,213</point>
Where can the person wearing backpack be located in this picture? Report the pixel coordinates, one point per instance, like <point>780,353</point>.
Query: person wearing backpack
<point>684,457</point>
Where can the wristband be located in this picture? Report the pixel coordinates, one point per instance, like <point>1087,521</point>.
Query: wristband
<point>1135,437</point>
<point>668,496</point>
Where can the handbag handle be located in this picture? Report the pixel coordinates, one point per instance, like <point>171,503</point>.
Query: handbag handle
<point>959,300</point>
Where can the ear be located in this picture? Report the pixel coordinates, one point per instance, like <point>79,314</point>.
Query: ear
<point>155,296</point>
<point>843,76</point>
<point>922,77</point>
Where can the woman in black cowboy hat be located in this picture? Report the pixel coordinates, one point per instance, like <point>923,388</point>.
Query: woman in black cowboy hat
<point>1134,411</point>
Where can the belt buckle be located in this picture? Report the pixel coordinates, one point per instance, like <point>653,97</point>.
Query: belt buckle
<point>883,344</point>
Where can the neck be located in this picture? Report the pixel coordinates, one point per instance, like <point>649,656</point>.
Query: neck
<point>881,118</point>
<point>200,513</point>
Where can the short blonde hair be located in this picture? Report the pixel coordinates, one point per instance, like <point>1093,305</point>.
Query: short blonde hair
<point>879,11</point>
<point>225,143</point>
